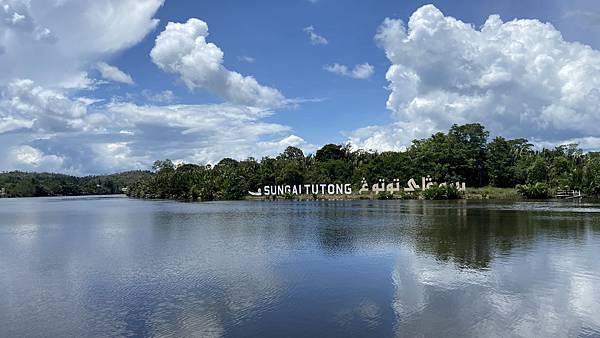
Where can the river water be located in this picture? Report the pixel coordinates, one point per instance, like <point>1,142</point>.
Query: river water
<point>112,266</point>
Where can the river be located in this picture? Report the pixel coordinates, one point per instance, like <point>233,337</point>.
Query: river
<point>113,266</point>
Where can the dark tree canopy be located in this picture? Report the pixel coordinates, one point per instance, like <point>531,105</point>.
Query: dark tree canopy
<point>291,153</point>
<point>331,152</point>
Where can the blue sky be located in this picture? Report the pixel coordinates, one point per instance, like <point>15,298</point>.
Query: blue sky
<point>446,63</point>
<point>271,32</point>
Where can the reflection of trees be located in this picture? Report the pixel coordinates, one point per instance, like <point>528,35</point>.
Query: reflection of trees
<point>471,237</point>
<point>347,226</point>
<point>468,234</point>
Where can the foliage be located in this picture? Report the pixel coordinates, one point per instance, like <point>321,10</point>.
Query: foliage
<point>501,162</point>
<point>448,192</point>
<point>534,191</point>
<point>385,195</point>
<point>24,184</point>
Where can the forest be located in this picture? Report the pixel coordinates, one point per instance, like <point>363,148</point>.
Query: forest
<point>23,184</point>
<point>464,154</point>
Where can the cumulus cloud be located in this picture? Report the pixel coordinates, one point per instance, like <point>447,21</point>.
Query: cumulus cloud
<point>113,73</point>
<point>165,96</point>
<point>290,141</point>
<point>360,72</point>
<point>519,78</point>
<point>10,123</point>
<point>30,158</point>
<point>396,136</point>
<point>182,49</point>
<point>314,38</point>
<point>47,129</point>
<point>40,44</point>
<point>27,105</point>
<point>46,124</point>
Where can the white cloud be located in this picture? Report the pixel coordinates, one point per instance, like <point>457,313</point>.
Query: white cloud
<point>202,133</point>
<point>182,49</point>
<point>10,123</point>
<point>52,42</point>
<point>28,158</point>
<point>45,110</point>
<point>246,58</point>
<point>393,137</point>
<point>360,72</point>
<point>47,125</point>
<point>519,78</point>
<point>113,73</point>
<point>278,146</point>
<point>315,39</point>
<point>50,130</point>
<point>165,96</point>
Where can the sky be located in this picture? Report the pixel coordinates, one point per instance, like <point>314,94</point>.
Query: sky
<point>100,86</point>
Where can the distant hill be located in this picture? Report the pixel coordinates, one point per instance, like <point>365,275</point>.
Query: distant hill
<point>26,184</point>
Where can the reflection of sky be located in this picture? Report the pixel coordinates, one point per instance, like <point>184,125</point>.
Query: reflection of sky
<point>97,267</point>
<point>548,290</point>
<point>121,272</point>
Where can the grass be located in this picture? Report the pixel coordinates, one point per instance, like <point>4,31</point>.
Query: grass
<point>492,193</point>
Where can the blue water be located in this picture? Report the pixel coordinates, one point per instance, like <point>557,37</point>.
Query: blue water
<point>112,266</point>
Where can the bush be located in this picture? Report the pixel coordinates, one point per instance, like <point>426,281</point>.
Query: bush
<point>448,192</point>
<point>385,195</point>
<point>534,191</point>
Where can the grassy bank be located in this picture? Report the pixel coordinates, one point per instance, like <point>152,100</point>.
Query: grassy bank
<point>492,193</point>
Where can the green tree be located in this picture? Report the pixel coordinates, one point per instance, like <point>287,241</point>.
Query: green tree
<point>331,152</point>
<point>468,146</point>
<point>291,153</point>
<point>501,163</point>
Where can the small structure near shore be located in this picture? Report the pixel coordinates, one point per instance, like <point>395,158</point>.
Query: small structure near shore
<point>569,194</point>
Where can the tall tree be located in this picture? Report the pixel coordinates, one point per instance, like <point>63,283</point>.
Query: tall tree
<point>501,164</point>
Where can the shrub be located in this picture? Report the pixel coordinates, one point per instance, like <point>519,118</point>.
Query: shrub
<point>534,191</point>
<point>384,195</point>
<point>448,192</point>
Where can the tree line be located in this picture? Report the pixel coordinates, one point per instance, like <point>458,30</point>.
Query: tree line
<point>24,184</point>
<point>463,154</point>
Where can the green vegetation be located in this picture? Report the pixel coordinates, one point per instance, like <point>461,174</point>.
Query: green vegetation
<point>442,193</point>
<point>495,193</point>
<point>490,169</point>
<point>22,184</point>
<point>534,191</point>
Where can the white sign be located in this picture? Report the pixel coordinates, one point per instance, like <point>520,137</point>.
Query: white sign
<point>411,185</point>
<point>346,189</point>
<point>304,189</point>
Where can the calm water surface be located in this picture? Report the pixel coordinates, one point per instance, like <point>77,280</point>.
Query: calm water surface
<point>112,266</point>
